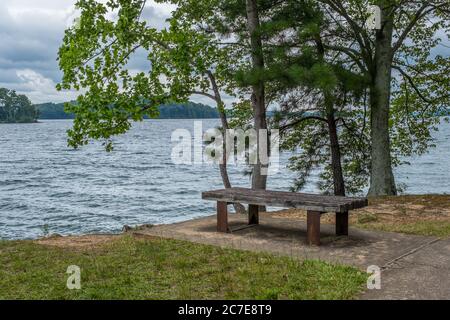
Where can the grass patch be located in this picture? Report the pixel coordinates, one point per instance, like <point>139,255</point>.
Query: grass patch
<point>367,218</point>
<point>426,200</point>
<point>427,215</point>
<point>129,268</point>
<point>424,228</point>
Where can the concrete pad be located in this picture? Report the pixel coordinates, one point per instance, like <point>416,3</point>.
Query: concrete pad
<point>436,255</point>
<point>413,267</point>
<point>408,281</point>
<point>424,274</point>
<point>287,236</point>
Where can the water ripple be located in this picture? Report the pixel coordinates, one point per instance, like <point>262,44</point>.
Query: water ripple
<point>44,184</point>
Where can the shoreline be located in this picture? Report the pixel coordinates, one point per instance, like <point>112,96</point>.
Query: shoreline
<point>409,214</point>
<point>188,252</point>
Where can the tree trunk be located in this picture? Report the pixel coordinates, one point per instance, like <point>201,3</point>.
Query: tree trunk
<point>223,167</point>
<point>239,208</point>
<point>335,148</point>
<point>338,176</point>
<point>259,178</point>
<point>382,180</point>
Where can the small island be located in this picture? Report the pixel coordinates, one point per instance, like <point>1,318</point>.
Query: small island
<point>16,108</point>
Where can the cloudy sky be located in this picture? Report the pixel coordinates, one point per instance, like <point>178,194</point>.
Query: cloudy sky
<point>31,32</point>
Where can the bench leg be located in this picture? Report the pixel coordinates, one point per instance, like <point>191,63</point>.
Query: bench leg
<point>313,228</point>
<point>222,217</point>
<point>342,223</point>
<point>253,214</point>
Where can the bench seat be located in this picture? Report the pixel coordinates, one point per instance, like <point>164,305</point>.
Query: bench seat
<point>315,205</point>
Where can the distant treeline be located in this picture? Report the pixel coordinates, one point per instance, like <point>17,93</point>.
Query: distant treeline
<point>50,110</point>
<point>189,110</point>
<point>16,108</point>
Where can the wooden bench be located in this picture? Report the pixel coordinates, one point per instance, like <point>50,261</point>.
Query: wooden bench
<point>315,205</point>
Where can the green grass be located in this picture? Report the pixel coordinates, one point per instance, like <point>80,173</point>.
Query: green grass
<point>424,228</point>
<point>426,215</point>
<point>129,268</point>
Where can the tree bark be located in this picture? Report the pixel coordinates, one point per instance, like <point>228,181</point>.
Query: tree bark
<point>259,179</point>
<point>335,148</point>
<point>338,176</point>
<point>238,207</point>
<point>223,166</point>
<point>382,180</point>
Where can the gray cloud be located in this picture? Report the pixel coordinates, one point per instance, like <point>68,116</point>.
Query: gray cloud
<point>30,34</point>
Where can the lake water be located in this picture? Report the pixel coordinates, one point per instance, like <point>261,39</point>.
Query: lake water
<point>44,185</point>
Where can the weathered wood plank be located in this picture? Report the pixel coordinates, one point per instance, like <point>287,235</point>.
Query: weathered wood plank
<point>304,201</point>
<point>342,224</point>
<point>222,217</point>
<point>233,191</point>
<point>314,204</point>
<point>282,195</point>
<point>253,214</point>
<point>313,228</point>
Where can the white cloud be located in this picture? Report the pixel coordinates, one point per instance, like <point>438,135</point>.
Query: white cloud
<point>31,32</point>
<point>41,89</point>
<point>30,35</point>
